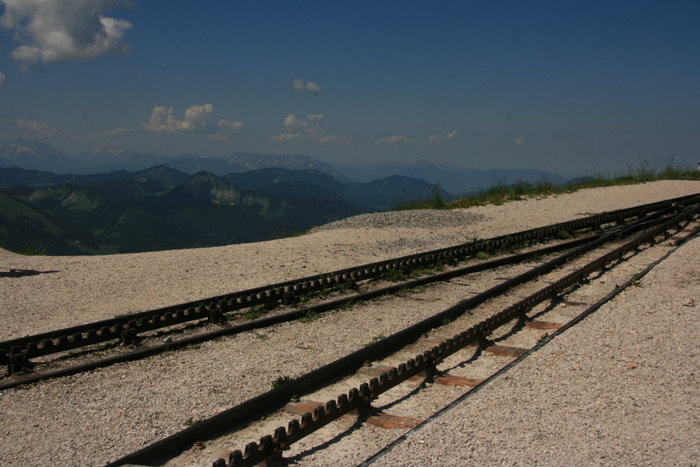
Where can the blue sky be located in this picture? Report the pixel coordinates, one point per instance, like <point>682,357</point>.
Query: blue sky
<point>572,87</point>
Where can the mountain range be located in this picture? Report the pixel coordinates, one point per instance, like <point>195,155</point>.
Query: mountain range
<point>192,201</point>
<point>163,208</point>
<point>29,154</point>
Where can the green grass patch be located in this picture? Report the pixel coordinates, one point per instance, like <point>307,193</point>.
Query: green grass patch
<point>482,255</point>
<point>308,317</point>
<point>662,168</point>
<point>257,311</point>
<point>435,201</point>
<point>394,275</point>
<point>281,381</point>
<point>191,421</point>
<point>376,338</point>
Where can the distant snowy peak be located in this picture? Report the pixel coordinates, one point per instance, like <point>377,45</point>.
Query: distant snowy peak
<point>251,161</point>
<point>32,155</point>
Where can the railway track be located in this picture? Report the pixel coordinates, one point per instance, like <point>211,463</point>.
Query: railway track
<point>71,347</point>
<point>570,270</point>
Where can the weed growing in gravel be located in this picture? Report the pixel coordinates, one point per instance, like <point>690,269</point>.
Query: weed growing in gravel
<point>191,421</point>
<point>394,275</point>
<point>519,246</point>
<point>281,381</point>
<point>252,314</point>
<point>262,337</point>
<point>349,304</point>
<point>482,255</point>
<point>312,294</point>
<point>421,272</point>
<point>256,311</point>
<point>345,286</point>
<point>543,338</point>
<point>563,234</point>
<point>375,339</point>
<point>308,317</point>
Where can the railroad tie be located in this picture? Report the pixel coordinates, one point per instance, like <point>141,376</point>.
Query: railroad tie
<point>377,418</point>
<point>496,349</point>
<point>442,380</point>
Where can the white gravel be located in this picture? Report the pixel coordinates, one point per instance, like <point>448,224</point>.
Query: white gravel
<point>91,418</point>
<point>620,388</point>
<point>76,289</point>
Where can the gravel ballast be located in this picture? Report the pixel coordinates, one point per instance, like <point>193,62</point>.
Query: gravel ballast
<point>620,388</point>
<point>92,418</point>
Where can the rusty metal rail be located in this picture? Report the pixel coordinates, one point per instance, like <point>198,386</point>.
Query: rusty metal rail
<point>17,352</point>
<point>264,322</point>
<point>272,446</point>
<point>260,323</point>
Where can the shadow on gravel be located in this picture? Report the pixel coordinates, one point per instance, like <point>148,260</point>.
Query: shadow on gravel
<point>23,273</point>
<point>355,426</point>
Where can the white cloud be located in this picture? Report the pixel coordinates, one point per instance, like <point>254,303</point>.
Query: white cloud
<point>286,136</point>
<point>332,139</point>
<point>120,131</point>
<point>163,121</point>
<point>35,127</point>
<point>395,139</point>
<point>230,125</point>
<point>446,137</point>
<point>2,78</point>
<point>198,119</point>
<point>298,85</point>
<point>519,141</point>
<point>292,123</point>
<point>51,31</point>
<point>197,116</point>
<point>311,87</point>
<point>296,129</point>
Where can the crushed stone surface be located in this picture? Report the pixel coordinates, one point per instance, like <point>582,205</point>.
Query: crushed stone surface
<point>92,418</point>
<point>619,388</point>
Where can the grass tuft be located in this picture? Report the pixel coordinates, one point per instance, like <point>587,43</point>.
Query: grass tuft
<point>281,381</point>
<point>664,168</point>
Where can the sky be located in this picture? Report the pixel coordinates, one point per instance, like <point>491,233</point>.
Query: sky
<point>572,87</point>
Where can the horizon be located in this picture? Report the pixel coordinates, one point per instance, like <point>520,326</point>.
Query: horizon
<point>575,89</point>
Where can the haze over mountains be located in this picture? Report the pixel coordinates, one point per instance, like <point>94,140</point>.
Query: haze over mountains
<point>29,154</point>
<point>122,201</point>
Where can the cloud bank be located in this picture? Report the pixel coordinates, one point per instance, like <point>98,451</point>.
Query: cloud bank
<point>198,119</point>
<point>396,139</point>
<point>296,129</point>
<point>446,137</point>
<point>36,128</point>
<point>51,31</point>
<point>310,87</point>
